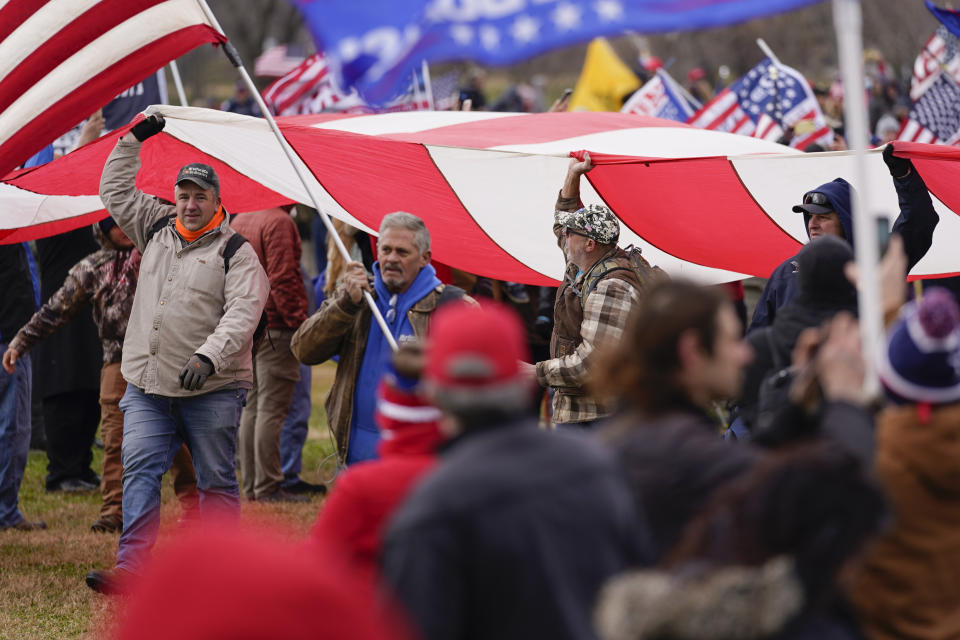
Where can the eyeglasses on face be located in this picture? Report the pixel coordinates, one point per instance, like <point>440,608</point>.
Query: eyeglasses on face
<point>567,232</point>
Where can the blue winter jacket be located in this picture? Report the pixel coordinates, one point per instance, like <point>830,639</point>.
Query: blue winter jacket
<point>915,224</point>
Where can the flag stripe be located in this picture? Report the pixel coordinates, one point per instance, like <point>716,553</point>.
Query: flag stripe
<point>65,43</point>
<point>15,13</point>
<point>48,123</point>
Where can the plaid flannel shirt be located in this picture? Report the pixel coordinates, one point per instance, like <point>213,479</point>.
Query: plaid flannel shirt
<point>605,313</point>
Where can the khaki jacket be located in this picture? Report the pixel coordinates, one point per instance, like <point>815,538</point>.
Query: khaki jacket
<point>185,303</point>
<point>340,327</point>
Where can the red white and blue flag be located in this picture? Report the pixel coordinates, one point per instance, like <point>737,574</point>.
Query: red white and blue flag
<point>764,103</point>
<point>61,60</point>
<point>661,97</point>
<point>935,117</point>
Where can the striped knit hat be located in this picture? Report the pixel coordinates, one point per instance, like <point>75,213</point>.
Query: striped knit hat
<point>407,423</point>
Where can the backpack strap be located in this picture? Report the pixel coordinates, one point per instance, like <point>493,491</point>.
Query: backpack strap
<point>157,226</point>
<point>595,280</point>
<point>234,243</point>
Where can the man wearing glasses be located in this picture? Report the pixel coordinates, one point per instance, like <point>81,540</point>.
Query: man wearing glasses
<point>599,289</point>
<point>826,211</point>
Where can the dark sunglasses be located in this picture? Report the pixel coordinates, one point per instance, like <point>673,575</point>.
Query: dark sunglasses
<point>567,231</point>
<point>817,198</point>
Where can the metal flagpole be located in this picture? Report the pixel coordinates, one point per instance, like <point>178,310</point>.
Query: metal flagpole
<point>427,84</point>
<point>848,22</point>
<point>235,60</point>
<point>175,72</point>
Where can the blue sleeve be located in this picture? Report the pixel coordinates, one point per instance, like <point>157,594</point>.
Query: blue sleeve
<point>766,307</point>
<point>917,219</point>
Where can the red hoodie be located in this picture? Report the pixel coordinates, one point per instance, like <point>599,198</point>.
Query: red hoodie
<point>366,495</point>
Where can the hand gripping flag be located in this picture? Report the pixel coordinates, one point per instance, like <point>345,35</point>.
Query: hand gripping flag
<point>60,60</point>
<point>764,103</point>
<point>660,97</point>
<point>374,45</point>
<point>935,117</point>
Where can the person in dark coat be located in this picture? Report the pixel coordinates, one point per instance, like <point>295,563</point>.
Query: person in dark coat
<point>514,532</point>
<point>69,364</point>
<point>824,291</point>
<point>762,562</point>
<point>827,211</point>
<point>682,352</point>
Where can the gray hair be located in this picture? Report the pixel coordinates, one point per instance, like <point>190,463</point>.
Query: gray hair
<point>410,222</point>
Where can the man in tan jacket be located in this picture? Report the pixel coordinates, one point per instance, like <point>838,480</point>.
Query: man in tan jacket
<point>187,352</point>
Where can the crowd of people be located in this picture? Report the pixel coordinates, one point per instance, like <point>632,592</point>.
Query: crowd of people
<point>621,457</point>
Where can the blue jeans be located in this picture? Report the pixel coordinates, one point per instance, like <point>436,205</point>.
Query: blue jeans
<point>154,427</point>
<point>295,427</point>
<point>15,392</point>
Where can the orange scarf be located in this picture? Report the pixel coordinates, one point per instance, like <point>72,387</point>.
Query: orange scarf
<point>190,236</point>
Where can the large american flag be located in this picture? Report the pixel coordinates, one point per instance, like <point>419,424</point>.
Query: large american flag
<point>935,117</point>
<point>763,103</point>
<point>61,60</point>
<point>939,54</point>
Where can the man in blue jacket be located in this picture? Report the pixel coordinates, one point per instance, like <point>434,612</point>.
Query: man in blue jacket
<point>827,211</point>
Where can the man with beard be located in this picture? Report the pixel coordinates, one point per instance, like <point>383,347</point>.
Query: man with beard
<point>407,292</point>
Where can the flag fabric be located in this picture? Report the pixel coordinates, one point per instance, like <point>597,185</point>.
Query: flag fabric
<point>935,117</point>
<point>660,97</point>
<point>375,44</point>
<point>764,103</point>
<point>278,60</point>
<point>702,204</point>
<point>939,54</point>
<point>604,80</point>
<point>950,18</point>
<point>60,60</point>
<point>312,88</point>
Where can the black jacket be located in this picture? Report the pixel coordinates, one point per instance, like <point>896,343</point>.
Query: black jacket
<point>512,537</point>
<point>17,303</point>
<point>674,463</point>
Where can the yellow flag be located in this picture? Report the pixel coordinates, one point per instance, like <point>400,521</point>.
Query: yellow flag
<point>604,81</point>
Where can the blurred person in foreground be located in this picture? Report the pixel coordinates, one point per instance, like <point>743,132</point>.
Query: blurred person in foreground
<point>768,559</point>
<point>908,585</point>
<point>187,353</point>
<point>513,533</point>
<point>407,293</point>
<point>106,280</point>
<point>367,495</point>
<point>681,352</point>
<point>827,211</point>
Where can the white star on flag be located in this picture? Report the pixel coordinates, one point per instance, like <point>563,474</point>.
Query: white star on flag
<point>525,29</point>
<point>609,9</point>
<point>462,33</point>
<point>566,16</point>
<point>489,36</point>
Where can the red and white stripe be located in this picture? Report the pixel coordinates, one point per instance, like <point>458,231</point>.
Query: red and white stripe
<point>701,204</point>
<point>276,61</point>
<point>60,60</point>
<point>723,113</point>
<point>928,65</point>
<point>913,131</point>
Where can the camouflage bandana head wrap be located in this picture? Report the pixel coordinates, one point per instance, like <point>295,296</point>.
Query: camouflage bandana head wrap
<point>594,221</point>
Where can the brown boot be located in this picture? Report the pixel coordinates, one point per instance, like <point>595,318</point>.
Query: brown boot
<point>108,524</point>
<point>110,581</point>
<point>27,525</point>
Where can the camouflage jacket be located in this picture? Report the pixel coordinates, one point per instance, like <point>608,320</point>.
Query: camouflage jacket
<point>107,280</point>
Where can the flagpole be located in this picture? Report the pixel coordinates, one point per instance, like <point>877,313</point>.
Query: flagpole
<point>767,51</point>
<point>848,22</point>
<point>428,85</point>
<point>234,57</point>
<point>676,86</point>
<point>175,72</point>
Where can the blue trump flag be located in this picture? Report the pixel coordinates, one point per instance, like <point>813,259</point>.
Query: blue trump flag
<point>661,97</point>
<point>374,45</point>
<point>949,17</point>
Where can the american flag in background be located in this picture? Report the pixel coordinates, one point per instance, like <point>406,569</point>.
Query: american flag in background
<point>939,53</point>
<point>278,60</point>
<point>935,117</point>
<point>763,103</point>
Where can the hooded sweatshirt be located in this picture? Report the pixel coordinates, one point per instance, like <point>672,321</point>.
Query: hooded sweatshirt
<point>783,286</point>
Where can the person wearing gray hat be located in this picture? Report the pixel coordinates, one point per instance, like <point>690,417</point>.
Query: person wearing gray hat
<point>600,288</point>
<point>187,353</point>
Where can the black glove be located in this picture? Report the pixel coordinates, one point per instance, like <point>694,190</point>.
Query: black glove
<point>899,167</point>
<point>148,127</point>
<point>196,372</point>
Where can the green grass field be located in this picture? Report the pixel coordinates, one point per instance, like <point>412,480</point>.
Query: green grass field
<point>42,589</point>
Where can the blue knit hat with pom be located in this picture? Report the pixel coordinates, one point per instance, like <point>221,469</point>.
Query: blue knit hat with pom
<point>921,361</point>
